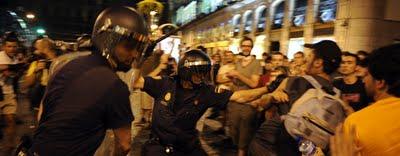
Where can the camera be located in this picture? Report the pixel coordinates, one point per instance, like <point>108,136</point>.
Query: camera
<point>46,61</point>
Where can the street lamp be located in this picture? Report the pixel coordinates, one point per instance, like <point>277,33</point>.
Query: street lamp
<point>30,16</point>
<point>40,31</point>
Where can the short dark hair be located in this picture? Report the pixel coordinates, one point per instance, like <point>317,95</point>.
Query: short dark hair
<point>245,38</point>
<point>276,53</point>
<point>357,59</point>
<point>268,59</point>
<point>10,37</point>
<point>384,64</point>
<point>362,52</point>
<point>299,52</point>
<point>329,52</point>
<point>285,57</point>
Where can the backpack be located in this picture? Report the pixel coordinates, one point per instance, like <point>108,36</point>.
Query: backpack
<point>315,115</point>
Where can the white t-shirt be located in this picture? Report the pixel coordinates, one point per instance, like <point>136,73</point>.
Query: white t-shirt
<point>5,59</point>
<point>6,84</point>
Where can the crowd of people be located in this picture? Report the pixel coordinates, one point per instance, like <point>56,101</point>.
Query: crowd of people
<point>324,102</point>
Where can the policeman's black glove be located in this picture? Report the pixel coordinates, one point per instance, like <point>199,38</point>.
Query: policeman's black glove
<point>274,84</point>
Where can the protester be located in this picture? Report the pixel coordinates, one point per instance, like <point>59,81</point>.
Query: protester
<point>373,130</point>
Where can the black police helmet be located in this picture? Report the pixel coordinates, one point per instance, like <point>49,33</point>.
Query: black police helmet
<point>195,62</point>
<point>117,24</point>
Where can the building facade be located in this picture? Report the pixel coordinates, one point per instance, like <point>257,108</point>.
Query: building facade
<point>285,25</point>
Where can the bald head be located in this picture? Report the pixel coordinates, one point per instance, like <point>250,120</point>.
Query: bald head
<point>45,46</point>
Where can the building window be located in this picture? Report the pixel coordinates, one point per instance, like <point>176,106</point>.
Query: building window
<point>248,21</point>
<point>236,24</point>
<point>299,13</point>
<point>278,16</point>
<point>261,18</point>
<point>327,10</point>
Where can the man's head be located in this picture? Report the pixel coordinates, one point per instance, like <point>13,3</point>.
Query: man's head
<point>265,55</point>
<point>299,58</point>
<point>44,45</point>
<point>216,58</point>
<point>120,34</point>
<point>229,57</point>
<point>10,45</point>
<point>277,59</point>
<point>268,65</point>
<point>195,67</point>
<point>349,64</point>
<point>246,45</point>
<point>324,58</point>
<point>383,76</point>
<point>362,54</point>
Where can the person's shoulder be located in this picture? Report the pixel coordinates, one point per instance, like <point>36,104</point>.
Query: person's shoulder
<point>4,59</point>
<point>255,62</point>
<point>297,80</point>
<point>338,81</point>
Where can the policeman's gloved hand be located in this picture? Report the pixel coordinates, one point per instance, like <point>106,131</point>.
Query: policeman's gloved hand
<point>274,84</point>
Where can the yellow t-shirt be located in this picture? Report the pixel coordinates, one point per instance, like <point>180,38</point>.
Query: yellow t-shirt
<point>377,128</point>
<point>45,74</point>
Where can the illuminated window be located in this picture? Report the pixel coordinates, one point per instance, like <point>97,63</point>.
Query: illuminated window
<point>299,13</point>
<point>278,16</point>
<point>248,21</point>
<point>327,10</point>
<point>261,18</point>
<point>236,24</point>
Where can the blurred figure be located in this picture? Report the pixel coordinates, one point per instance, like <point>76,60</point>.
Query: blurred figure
<point>172,67</point>
<point>8,103</point>
<point>277,59</point>
<point>267,68</point>
<point>243,117</point>
<point>299,58</point>
<point>351,86</point>
<point>223,81</point>
<point>84,43</point>
<point>37,75</point>
<point>272,138</point>
<point>265,55</point>
<point>373,131</point>
<point>216,59</point>
<point>285,61</point>
<point>362,69</point>
<point>362,54</point>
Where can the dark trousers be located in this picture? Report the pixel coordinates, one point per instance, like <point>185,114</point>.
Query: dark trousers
<point>272,139</point>
<point>154,148</point>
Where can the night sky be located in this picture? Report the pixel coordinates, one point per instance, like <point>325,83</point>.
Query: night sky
<point>66,19</point>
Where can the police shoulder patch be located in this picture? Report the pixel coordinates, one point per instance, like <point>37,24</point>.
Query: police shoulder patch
<point>219,90</point>
<point>167,96</point>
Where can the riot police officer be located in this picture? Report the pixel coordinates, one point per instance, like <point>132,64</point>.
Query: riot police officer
<point>85,97</point>
<point>179,103</point>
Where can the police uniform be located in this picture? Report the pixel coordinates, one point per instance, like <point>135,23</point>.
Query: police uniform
<point>176,112</point>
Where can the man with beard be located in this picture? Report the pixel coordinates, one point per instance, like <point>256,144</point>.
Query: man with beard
<point>37,76</point>
<point>272,138</point>
<point>243,118</point>
<point>373,131</point>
